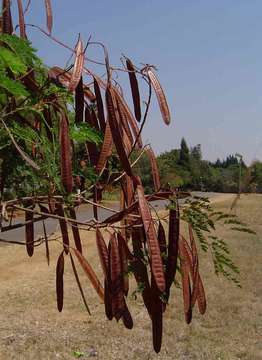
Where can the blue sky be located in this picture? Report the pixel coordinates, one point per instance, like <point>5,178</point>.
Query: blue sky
<point>208,54</point>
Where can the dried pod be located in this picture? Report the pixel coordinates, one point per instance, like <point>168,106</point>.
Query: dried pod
<point>7,24</point>
<point>124,121</point>
<point>29,232</point>
<point>153,245</point>
<point>79,102</point>
<point>91,147</point>
<point>60,281</point>
<point>129,116</point>
<point>122,246</point>
<point>113,119</point>
<point>173,239</point>
<point>134,88</point>
<point>154,168</point>
<point>162,240</point>
<point>198,292</point>
<point>102,252</point>
<point>130,192</point>
<point>118,302</point>
<point>75,230</point>
<point>127,319</point>
<point>49,15</point>
<point>185,270</point>
<point>161,98</point>
<point>79,284</point>
<point>65,154</point>
<point>157,316</point>
<point>21,19</point>
<point>100,107</point>
<point>193,270</point>
<point>201,297</point>
<point>78,66</point>
<point>47,252</point>
<point>63,226</point>
<point>90,274</point>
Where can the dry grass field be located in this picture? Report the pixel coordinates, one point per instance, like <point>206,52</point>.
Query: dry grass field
<point>32,328</point>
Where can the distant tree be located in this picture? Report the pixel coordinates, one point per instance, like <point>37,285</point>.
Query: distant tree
<point>184,157</point>
<point>196,153</point>
<point>256,176</point>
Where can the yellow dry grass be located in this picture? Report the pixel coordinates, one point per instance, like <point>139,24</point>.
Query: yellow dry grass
<point>32,328</point>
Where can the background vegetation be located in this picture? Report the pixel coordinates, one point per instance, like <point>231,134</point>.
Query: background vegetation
<point>185,168</point>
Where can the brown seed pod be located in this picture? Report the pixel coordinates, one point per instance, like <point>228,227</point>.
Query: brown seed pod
<point>78,66</point>
<point>198,293</point>
<point>154,168</point>
<point>49,15</point>
<point>7,24</point>
<point>106,149</point>
<point>65,154</point>
<point>100,106</point>
<point>173,239</point>
<point>60,281</point>
<point>21,19</point>
<point>79,102</point>
<point>29,232</point>
<point>90,274</point>
<point>47,252</point>
<point>126,109</point>
<point>122,246</point>
<point>157,316</point>
<point>118,303</point>
<point>131,120</point>
<point>134,88</point>
<point>201,297</point>
<point>193,248</point>
<point>162,240</point>
<point>79,283</point>
<point>124,121</point>
<point>161,98</point>
<point>185,270</point>
<point>193,270</point>
<point>113,118</point>
<point>91,147</point>
<point>102,252</point>
<point>75,231</point>
<point>151,237</point>
<point>63,226</point>
<point>127,319</point>
<point>139,268</point>
<point>130,192</point>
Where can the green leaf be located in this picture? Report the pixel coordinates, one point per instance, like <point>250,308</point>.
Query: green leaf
<point>243,229</point>
<point>13,62</point>
<point>13,87</point>
<point>83,132</point>
<point>21,47</point>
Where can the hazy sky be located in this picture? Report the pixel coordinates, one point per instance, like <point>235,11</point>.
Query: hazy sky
<point>209,57</point>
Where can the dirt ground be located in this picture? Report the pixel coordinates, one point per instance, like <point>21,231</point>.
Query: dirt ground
<point>32,328</point>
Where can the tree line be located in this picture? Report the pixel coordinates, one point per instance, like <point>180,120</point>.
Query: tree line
<point>185,168</point>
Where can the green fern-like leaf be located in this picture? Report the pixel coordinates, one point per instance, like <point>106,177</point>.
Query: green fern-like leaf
<point>21,48</point>
<point>82,133</point>
<point>12,61</point>
<point>12,87</point>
